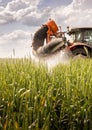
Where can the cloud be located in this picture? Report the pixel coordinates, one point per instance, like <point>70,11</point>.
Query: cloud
<point>80,13</point>
<point>16,5</point>
<point>28,13</point>
<point>16,10</point>
<point>82,4</point>
<point>18,41</point>
<point>36,17</point>
<point>6,17</point>
<point>1,8</point>
<point>16,35</point>
<point>76,14</point>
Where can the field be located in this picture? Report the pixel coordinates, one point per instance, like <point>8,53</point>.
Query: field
<point>33,98</point>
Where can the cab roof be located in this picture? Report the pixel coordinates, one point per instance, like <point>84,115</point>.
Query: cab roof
<point>79,29</point>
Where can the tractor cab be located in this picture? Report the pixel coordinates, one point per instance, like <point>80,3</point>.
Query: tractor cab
<point>81,35</point>
<point>81,41</point>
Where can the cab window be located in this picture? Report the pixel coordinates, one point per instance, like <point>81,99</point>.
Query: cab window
<point>76,37</point>
<point>88,36</point>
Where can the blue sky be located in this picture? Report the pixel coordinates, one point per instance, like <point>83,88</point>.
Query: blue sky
<point>21,18</point>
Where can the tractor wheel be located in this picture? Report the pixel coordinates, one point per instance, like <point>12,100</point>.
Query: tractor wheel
<point>81,51</point>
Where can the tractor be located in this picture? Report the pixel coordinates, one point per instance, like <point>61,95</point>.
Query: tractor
<point>79,42</point>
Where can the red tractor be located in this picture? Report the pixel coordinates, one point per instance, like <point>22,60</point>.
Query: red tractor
<point>80,41</point>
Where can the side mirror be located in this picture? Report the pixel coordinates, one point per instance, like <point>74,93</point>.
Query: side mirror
<point>68,28</point>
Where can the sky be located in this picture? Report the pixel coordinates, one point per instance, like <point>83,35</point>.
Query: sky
<point>19,19</point>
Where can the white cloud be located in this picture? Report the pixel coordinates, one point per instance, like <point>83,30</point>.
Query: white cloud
<point>1,8</point>
<point>27,12</point>
<point>6,16</point>
<point>83,4</point>
<point>15,36</point>
<point>19,40</point>
<point>16,5</point>
<point>36,17</point>
<point>32,2</point>
<point>17,10</point>
<point>78,13</point>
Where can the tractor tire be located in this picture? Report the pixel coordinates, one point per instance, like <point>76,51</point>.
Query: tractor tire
<point>81,51</point>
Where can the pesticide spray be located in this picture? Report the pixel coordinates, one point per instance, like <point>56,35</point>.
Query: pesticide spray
<point>61,57</point>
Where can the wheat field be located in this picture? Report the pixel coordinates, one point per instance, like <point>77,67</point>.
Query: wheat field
<point>33,98</point>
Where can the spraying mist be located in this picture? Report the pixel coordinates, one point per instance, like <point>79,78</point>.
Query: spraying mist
<point>51,61</point>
